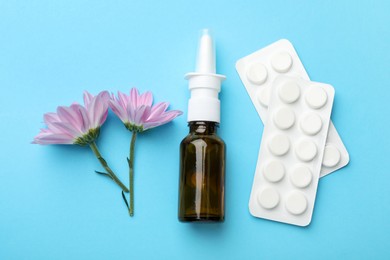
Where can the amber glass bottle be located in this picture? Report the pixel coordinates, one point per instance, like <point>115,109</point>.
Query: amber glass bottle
<point>202,174</point>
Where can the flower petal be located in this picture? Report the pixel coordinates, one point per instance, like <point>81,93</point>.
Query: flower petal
<point>51,138</point>
<point>81,124</point>
<point>50,117</point>
<point>146,99</point>
<point>87,98</point>
<point>67,114</point>
<point>97,110</point>
<point>165,118</point>
<point>66,129</point>
<point>134,96</point>
<point>103,117</point>
<point>130,113</point>
<point>146,114</point>
<point>119,110</point>
<point>139,113</point>
<point>158,110</point>
<point>123,100</point>
<point>84,116</point>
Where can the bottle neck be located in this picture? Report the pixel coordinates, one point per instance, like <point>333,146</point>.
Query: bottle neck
<point>203,127</point>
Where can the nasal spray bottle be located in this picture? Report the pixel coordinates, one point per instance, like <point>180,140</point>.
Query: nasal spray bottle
<point>202,152</point>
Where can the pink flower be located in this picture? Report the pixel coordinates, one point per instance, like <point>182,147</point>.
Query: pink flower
<point>75,124</point>
<point>138,114</point>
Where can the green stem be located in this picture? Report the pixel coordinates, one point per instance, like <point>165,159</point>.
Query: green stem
<point>131,173</point>
<point>105,165</point>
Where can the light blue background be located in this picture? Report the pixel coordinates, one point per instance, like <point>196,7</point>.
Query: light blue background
<point>52,204</point>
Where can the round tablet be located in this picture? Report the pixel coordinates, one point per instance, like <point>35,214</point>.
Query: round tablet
<point>257,73</point>
<point>296,203</point>
<point>316,97</point>
<point>268,198</point>
<point>281,62</point>
<point>301,176</point>
<point>306,150</point>
<point>289,92</point>
<point>279,144</point>
<point>263,96</point>
<point>273,171</point>
<point>332,156</point>
<point>311,124</point>
<point>284,118</point>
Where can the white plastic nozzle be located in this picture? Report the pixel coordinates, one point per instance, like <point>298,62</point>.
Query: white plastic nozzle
<point>204,83</point>
<point>205,62</point>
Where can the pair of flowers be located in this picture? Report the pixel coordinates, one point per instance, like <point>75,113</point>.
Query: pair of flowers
<point>80,125</point>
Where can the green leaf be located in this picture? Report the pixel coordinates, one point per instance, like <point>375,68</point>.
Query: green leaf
<point>104,174</point>
<point>125,200</point>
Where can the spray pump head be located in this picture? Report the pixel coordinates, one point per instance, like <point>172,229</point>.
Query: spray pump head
<point>204,83</point>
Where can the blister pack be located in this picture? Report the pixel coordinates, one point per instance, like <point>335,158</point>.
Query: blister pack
<point>257,72</point>
<point>291,151</point>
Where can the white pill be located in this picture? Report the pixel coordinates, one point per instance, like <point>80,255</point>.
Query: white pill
<point>289,92</point>
<point>268,198</point>
<point>281,62</point>
<point>296,203</point>
<point>257,73</point>
<point>316,97</point>
<point>332,156</point>
<point>284,118</point>
<point>306,150</point>
<point>301,176</point>
<point>273,171</point>
<point>279,144</point>
<point>263,96</point>
<point>311,124</point>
